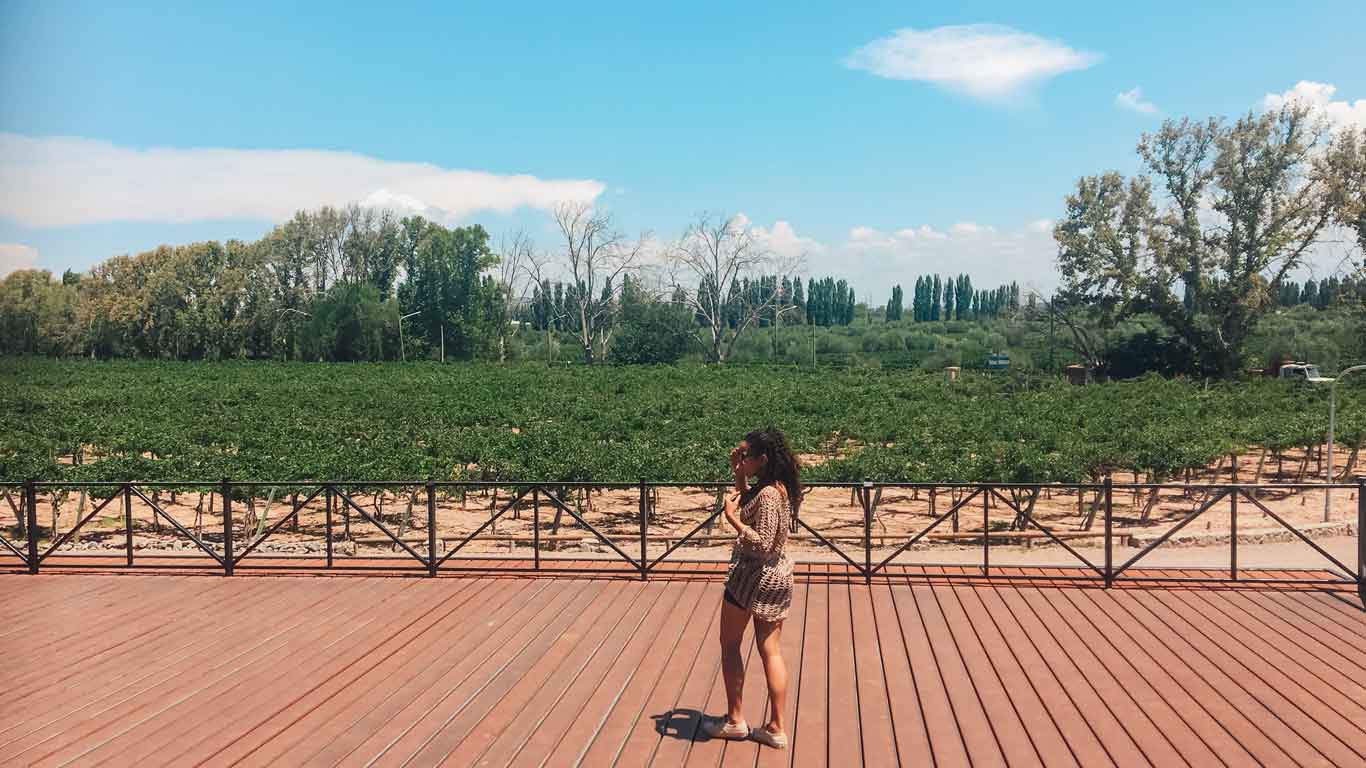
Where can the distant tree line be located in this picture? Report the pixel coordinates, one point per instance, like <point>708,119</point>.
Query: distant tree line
<point>783,301</point>
<point>329,284</point>
<point>1321,294</point>
<point>953,298</point>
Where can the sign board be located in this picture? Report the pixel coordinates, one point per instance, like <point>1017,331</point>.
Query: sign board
<point>998,361</point>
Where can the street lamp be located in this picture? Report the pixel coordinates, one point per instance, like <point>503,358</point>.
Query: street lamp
<point>1332,424</point>
<point>291,309</point>
<point>403,356</point>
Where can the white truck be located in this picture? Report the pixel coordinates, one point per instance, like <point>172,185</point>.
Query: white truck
<point>1302,372</point>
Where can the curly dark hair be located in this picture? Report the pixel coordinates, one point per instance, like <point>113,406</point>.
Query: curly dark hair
<point>782,466</point>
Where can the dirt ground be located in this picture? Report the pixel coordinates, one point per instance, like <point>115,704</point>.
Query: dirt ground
<point>835,513</point>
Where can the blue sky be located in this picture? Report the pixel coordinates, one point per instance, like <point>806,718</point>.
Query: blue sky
<point>656,113</point>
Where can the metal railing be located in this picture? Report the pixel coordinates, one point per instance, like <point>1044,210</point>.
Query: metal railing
<point>1018,499</point>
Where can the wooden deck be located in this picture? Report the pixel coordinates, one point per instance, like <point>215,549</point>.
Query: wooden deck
<point>167,669</point>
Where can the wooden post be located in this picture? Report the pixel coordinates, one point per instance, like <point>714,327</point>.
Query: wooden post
<point>431,528</point>
<point>227,528</point>
<point>128,523</point>
<point>644,561</point>
<point>1109,532</point>
<point>31,511</point>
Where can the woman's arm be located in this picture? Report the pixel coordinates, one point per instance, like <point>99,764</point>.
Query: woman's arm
<point>767,520</point>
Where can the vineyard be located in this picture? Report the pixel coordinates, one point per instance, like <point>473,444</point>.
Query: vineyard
<point>172,427</point>
<point>154,421</point>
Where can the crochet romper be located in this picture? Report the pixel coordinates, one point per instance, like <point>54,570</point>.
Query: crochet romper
<point>760,575</point>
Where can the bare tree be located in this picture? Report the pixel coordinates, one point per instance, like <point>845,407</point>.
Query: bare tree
<point>597,256</point>
<point>515,251</point>
<point>536,267</point>
<point>716,252</point>
<point>1080,318</point>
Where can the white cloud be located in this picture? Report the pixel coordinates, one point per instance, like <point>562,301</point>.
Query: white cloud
<point>875,260</point>
<point>970,229</point>
<point>14,257</point>
<point>384,199</point>
<point>65,181</point>
<point>924,232</point>
<point>1319,96</point>
<point>987,61</point>
<point>782,240</point>
<point>1132,99</point>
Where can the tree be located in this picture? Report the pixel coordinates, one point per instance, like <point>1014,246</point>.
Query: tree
<point>348,324</point>
<point>963,298</point>
<point>1079,318</point>
<point>549,306</point>
<point>445,288</point>
<point>651,331</point>
<point>894,305</point>
<point>37,314</point>
<point>720,253</point>
<point>514,252</point>
<point>1343,170</point>
<point>596,256</point>
<point>1240,209</point>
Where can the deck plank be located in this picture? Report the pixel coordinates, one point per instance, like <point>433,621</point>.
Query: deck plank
<point>808,738</point>
<point>921,666</point>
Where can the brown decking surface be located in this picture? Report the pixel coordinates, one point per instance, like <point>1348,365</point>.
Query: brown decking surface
<point>169,669</point>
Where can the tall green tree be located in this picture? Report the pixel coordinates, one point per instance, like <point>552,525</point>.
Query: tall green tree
<point>894,305</point>
<point>348,323</point>
<point>1240,207</point>
<point>445,289</point>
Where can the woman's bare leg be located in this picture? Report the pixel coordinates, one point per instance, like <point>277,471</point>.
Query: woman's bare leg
<point>769,636</point>
<point>733,621</point>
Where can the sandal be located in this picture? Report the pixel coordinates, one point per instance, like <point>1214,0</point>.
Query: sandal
<point>721,728</point>
<point>768,738</point>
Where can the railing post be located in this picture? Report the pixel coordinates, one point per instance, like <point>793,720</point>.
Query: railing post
<point>1109,531</point>
<point>644,520</point>
<point>31,513</point>
<point>986,531</point>
<point>1233,535</point>
<point>431,528</point>
<point>1361,540</point>
<point>227,527</point>
<point>128,522</point>
<point>327,507</point>
<point>536,527</point>
<point>867,532</point>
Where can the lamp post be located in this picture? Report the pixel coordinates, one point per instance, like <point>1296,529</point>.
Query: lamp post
<point>1332,425</point>
<point>403,355</point>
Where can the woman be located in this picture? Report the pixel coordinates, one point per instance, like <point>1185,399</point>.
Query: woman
<point>759,582</point>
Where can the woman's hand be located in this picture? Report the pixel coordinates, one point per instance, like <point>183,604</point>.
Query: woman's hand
<point>732,503</point>
<point>737,456</point>
<point>731,509</point>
